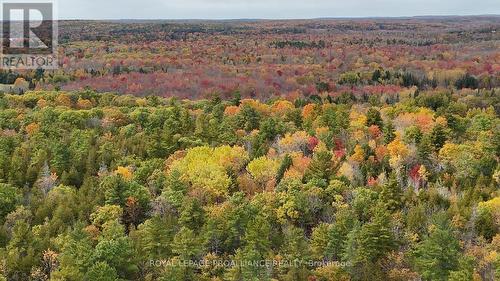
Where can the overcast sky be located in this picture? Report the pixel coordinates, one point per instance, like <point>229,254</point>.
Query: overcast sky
<point>272,9</point>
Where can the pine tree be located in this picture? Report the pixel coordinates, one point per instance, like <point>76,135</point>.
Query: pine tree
<point>437,255</point>
<point>438,137</point>
<point>374,118</point>
<point>367,244</point>
<point>391,194</point>
<point>155,237</point>
<point>320,167</point>
<point>175,189</point>
<point>296,251</point>
<point>9,198</point>
<point>101,271</point>
<point>257,248</point>
<point>285,165</point>
<point>187,245</point>
<point>389,132</point>
<point>20,252</point>
<point>424,149</point>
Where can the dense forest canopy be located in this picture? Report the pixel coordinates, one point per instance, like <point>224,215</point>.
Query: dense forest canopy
<point>263,59</point>
<point>316,150</point>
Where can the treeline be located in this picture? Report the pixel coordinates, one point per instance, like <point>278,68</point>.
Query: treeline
<point>298,44</point>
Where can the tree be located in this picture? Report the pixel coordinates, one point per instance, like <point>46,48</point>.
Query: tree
<point>131,196</point>
<point>115,249</point>
<point>437,254</point>
<point>187,244</point>
<point>9,198</point>
<point>319,241</point>
<point>257,235</point>
<point>373,117</point>
<point>285,165</point>
<point>321,167</point>
<point>192,215</point>
<point>376,75</point>
<point>256,249</point>
<point>331,273</point>
<point>263,169</point>
<point>349,78</point>
<point>175,189</point>
<point>226,224</point>
<point>336,118</point>
<point>367,244</point>
<point>391,194</point>
<point>467,81</point>
<point>101,271</point>
<point>461,159</point>
<point>271,127</point>
<point>488,218</point>
<point>20,252</point>
<point>249,118</point>
<point>389,132</point>
<point>295,250</point>
<point>465,270</point>
<point>371,241</point>
<point>76,249</point>
<point>425,148</point>
<point>155,237</point>
<point>338,233</point>
<point>439,136</point>
<point>206,168</point>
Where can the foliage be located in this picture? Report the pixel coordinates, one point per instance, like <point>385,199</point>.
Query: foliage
<point>314,147</point>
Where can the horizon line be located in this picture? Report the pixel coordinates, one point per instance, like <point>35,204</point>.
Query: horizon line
<point>284,19</point>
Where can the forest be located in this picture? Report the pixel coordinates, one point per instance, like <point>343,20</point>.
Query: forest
<point>315,150</point>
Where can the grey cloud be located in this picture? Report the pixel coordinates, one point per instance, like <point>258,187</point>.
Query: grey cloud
<point>227,9</point>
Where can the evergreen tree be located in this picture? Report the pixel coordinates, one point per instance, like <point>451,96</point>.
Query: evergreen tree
<point>285,165</point>
<point>391,194</point>
<point>187,245</point>
<point>437,254</point>
<point>367,244</point>
<point>321,167</point>
<point>9,198</point>
<point>155,238</point>
<point>438,137</point>
<point>101,271</point>
<point>373,117</point>
<point>389,132</point>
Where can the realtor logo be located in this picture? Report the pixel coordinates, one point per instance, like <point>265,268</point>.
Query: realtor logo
<point>29,35</point>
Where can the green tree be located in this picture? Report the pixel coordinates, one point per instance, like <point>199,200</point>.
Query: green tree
<point>256,249</point>
<point>101,271</point>
<point>192,215</point>
<point>373,117</point>
<point>187,245</point>
<point>175,189</point>
<point>321,167</point>
<point>9,198</point>
<point>296,251</point>
<point>285,165</point>
<point>391,194</point>
<point>21,254</point>
<point>437,254</point>
<point>367,244</point>
<point>116,249</point>
<point>249,118</point>
<point>319,241</point>
<point>345,221</point>
<point>389,132</point>
<point>155,237</point>
<point>439,136</point>
<point>76,250</point>
<point>465,271</point>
